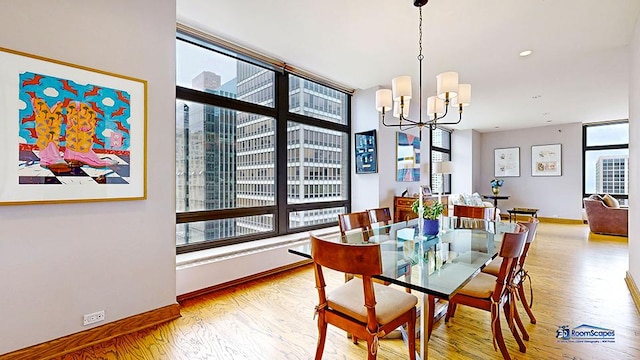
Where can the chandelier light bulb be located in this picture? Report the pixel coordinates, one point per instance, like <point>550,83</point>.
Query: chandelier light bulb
<point>383,100</point>
<point>405,109</point>
<point>401,87</point>
<point>447,85</point>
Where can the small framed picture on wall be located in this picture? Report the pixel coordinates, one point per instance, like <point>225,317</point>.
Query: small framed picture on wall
<point>366,152</point>
<point>546,160</point>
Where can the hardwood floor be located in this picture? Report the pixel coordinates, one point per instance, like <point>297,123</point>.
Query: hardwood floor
<point>577,279</point>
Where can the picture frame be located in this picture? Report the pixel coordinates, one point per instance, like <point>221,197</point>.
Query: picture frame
<point>69,133</point>
<point>507,162</point>
<point>407,157</point>
<point>366,152</point>
<point>546,160</point>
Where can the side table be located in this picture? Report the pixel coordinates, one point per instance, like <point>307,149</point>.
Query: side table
<point>495,199</point>
<point>521,211</point>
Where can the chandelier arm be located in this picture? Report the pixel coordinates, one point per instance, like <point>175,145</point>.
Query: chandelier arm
<point>412,123</point>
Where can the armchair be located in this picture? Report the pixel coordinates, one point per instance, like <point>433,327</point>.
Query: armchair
<point>604,219</point>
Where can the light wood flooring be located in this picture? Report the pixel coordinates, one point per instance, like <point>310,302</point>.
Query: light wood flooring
<point>577,279</point>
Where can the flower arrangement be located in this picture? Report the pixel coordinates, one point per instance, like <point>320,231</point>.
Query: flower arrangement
<point>496,183</point>
<point>430,210</point>
<point>495,186</point>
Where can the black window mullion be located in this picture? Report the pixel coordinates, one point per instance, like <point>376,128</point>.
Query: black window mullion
<point>282,108</point>
<point>222,101</point>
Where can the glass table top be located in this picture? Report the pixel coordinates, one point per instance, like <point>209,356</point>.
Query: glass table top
<point>438,265</point>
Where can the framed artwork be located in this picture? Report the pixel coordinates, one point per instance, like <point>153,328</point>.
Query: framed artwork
<point>69,133</point>
<point>546,160</point>
<point>507,162</point>
<point>366,152</point>
<point>407,157</point>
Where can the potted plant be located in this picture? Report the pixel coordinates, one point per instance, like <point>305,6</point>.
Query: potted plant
<point>431,211</point>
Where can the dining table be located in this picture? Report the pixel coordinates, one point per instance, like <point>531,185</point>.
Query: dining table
<point>436,266</point>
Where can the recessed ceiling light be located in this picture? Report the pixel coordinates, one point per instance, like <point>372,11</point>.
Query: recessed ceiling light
<point>526,53</point>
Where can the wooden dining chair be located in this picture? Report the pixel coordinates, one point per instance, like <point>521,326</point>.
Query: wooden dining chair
<point>355,224</point>
<point>380,216</point>
<point>489,293</point>
<point>361,307</point>
<point>494,267</point>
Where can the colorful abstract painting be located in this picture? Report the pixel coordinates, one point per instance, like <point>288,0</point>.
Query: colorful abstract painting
<point>69,133</point>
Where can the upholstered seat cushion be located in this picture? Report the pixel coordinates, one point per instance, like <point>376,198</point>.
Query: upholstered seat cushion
<point>480,287</point>
<point>390,303</point>
<point>494,267</point>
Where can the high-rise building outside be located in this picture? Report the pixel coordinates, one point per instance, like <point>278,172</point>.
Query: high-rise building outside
<point>612,174</point>
<point>206,159</point>
<point>226,158</point>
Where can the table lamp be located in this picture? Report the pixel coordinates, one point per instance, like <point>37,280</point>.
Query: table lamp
<point>442,168</point>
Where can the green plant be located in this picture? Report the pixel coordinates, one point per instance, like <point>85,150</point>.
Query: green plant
<point>431,210</point>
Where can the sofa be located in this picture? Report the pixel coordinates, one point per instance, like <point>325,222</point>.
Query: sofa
<point>605,216</point>
<point>472,206</point>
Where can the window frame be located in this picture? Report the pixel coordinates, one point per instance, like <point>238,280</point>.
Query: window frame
<point>443,150</point>
<point>586,148</point>
<point>281,115</point>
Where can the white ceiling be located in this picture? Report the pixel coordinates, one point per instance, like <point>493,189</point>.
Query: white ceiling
<point>577,73</point>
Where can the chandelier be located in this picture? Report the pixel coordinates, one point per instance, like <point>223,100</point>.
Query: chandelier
<point>449,93</point>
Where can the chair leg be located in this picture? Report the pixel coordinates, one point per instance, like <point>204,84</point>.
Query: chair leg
<point>412,338</point>
<point>371,355</point>
<point>322,335</point>
<point>525,304</point>
<point>431,314</point>
<point>512,326</point>
<point>525,334</point>
<point>497,331</point>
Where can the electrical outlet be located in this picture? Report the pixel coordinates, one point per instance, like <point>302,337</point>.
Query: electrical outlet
<point>94,317</point>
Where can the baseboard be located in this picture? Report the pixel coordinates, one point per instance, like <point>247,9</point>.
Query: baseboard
<point>90,337</point>
<point>635,294</point>
<point>559,220</point>
<point>245,279</point>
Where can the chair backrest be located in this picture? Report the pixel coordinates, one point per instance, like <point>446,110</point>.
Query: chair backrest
<point>477,212</point>
<point>532,225</point>
<point>510,250</point>
<point>380,215</point>
<point>355,221</point>
<point>348,258</point>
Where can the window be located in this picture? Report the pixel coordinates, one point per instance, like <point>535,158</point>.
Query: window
<point>605,163</point>
<point>259,152</point>
<point>440,151</point>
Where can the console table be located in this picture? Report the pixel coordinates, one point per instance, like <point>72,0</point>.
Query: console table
<point>402,206</point>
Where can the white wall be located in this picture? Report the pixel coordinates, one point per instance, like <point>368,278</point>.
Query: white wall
<point>557,196</point>
<point>59,262</point>
<point>365,117</point>
<point>634,156</point>
<point>464,144</point>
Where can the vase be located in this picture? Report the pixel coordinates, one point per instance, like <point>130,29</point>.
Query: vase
<point>495,190</point>
<point>431,227</point>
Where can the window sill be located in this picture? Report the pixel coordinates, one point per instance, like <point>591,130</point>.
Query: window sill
<point>207,256</point>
